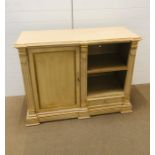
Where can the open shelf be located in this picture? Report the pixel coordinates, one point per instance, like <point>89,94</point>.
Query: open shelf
<point>105,63</point>
<point>107,57</point>
<point>104,84</point>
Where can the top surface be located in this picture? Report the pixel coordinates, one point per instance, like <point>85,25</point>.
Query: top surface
<point>74,36</point>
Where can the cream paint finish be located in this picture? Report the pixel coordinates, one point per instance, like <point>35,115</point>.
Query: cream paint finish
<point>56,77</point>
<point>55,74</point>
<point>75,36</point>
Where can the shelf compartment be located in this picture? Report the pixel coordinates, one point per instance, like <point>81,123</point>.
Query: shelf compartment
<point>108,57</point>
<point>105,84</point>
<point>105,63</point>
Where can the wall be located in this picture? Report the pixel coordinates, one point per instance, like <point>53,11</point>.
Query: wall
<point>50,14</point>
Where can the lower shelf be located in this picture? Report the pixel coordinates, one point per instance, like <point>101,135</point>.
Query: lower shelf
<point>105,84</point>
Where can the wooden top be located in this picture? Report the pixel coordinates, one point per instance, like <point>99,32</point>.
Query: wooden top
<point>75,36</point>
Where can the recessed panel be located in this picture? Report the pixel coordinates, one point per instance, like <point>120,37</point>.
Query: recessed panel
<point>55,78</point>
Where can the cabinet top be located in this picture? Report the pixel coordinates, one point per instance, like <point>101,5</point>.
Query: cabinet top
<point>75,36</point>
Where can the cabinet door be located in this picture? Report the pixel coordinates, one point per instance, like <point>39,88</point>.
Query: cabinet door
<point>55,77</point>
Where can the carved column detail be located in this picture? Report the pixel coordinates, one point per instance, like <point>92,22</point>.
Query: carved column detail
<point>84,55</point>
<point>130,65</point>
<point>27,80</point>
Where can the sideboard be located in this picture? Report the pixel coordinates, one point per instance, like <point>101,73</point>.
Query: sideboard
<point>76,73</point>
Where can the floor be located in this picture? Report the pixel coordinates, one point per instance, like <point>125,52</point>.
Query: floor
<point>110,134</point>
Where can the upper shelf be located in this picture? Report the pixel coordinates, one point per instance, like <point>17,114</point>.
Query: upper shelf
<point>75,36</point>
<point>108,57</point>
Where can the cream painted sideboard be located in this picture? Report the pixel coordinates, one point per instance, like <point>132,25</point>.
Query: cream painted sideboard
<point>76,73</point>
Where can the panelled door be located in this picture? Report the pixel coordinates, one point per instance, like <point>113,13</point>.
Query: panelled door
<point>55,77</point>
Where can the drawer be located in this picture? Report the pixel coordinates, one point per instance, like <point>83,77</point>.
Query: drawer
<point>106,101</point>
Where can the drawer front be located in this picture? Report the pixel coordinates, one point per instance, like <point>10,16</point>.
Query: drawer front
<point>106,101</point>
<point>54,73</point>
